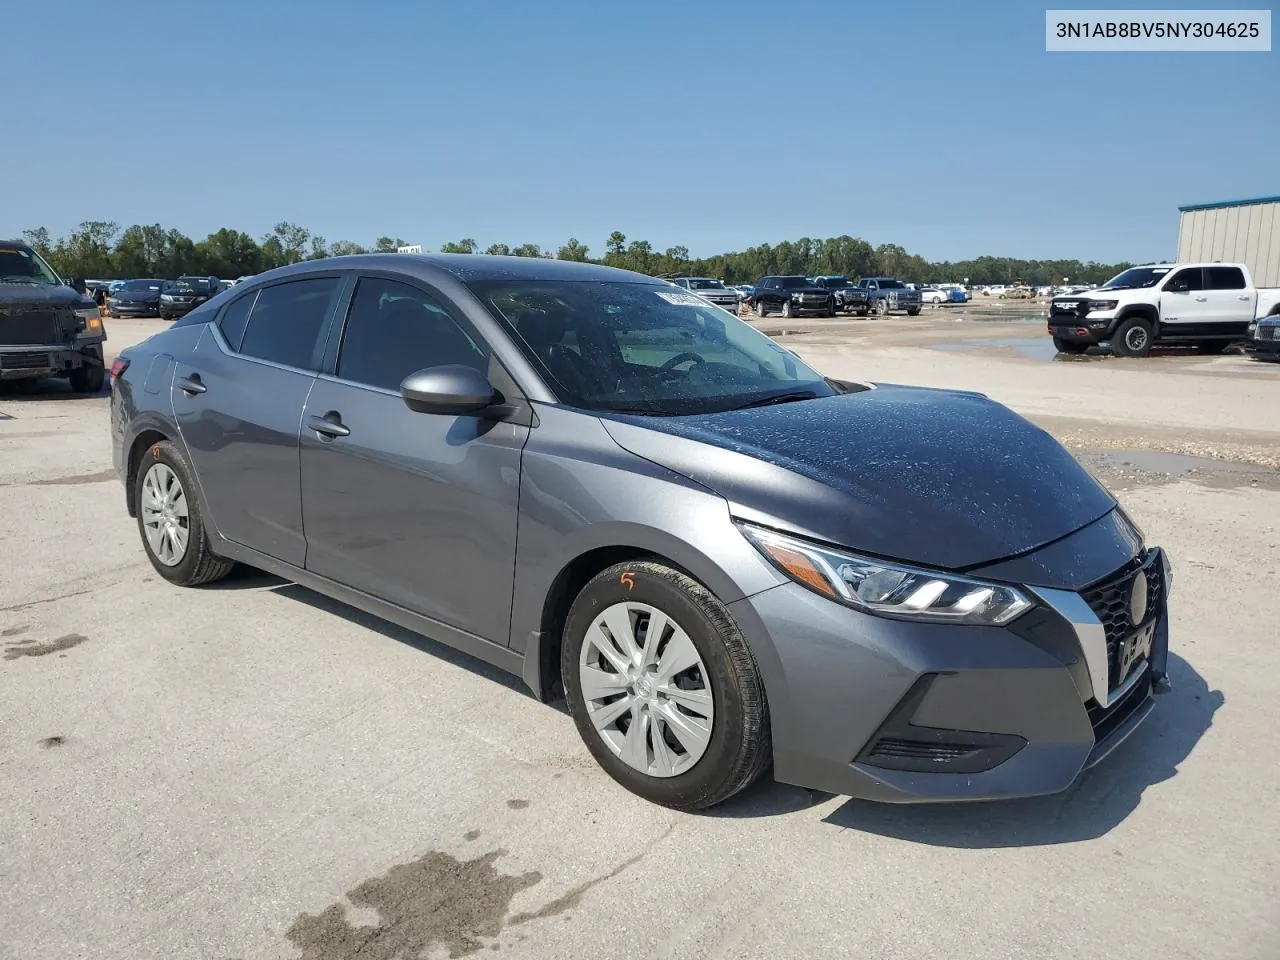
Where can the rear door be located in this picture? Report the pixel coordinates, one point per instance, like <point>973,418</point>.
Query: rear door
<point>238,401</point>
<point>416,509</point>
<point>1230,299</point>
<point>1183,299</point>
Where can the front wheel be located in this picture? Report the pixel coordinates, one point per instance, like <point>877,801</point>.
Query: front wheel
<point>786,308</point>
<point>759,308</point>
<point>882,307</point>
<point>173,532</point>
<point>1132,338</point>
<point>663,688</point>
<point>913,311</point>
<point>89,377</point>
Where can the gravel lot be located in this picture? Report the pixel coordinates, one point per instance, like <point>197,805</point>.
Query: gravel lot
<point>254,771</point>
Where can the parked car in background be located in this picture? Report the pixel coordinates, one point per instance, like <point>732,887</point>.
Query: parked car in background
<point>792,297</point>
<point>625,496</point>
<point>47,328</point>
<point>1264,338</point>
<point>934,295</point>
<point>885,294</point>
<point>136,298</point>
<point>709,289</point>
<point>955,292</point>
<point>850,298</point>
<point>995,290</point>
<point>183,295</point>
<point>1209,305</point>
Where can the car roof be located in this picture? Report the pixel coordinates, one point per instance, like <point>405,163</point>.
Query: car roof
<point>466,267</point>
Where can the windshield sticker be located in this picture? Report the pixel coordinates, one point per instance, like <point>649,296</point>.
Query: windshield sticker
<point>681,299</point>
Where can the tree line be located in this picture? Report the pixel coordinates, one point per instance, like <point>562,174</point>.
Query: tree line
<point>100,249</point>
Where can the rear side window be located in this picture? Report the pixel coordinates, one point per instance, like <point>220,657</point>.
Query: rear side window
<point>394,329</point>
<point>286,321</point>
<point>234,319</point>
<point>1225,278</point>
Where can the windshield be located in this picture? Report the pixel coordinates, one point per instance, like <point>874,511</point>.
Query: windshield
<point>699,284</point>
<point>21,265</point>
<point>891,285</point>
<point>791,283</point>
<point>644,348</point>
<point>1136,277</point>
<point>141,285</point>
<point>192,285</point>
<point>832,282</point>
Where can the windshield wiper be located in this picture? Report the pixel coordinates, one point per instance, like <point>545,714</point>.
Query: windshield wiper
<point>790,397</point>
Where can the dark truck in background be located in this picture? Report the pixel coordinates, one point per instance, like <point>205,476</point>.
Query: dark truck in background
<point>179,297</point>
<point>885,294</point>
<point>791,297</point>
<point>850,297</point>
<point>47,328</point>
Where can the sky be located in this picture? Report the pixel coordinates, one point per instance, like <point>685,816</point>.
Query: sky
<point>944,127</point>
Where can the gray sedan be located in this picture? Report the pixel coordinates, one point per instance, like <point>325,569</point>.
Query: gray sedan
<point>628,497</point>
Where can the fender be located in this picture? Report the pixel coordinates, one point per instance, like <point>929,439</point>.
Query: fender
<point>1146,311</point>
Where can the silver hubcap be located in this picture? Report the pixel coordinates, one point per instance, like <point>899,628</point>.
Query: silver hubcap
<point>1136,338</point>
<point>645,689</point>
<point>164,515</point>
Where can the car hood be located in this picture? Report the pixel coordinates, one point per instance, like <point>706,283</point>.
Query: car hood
<point>19,295</point>
<point>941,478</point>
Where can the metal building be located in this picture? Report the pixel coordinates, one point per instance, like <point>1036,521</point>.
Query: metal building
<point>1235,231</point>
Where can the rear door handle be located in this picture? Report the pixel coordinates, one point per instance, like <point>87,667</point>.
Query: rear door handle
<point>329,426</point>
<point>192,385</point>
<point>1243,297</point>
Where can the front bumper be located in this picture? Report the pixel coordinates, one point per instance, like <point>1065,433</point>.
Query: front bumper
<point>1265,341</point>
<point>47,360</point>
<point>177,309</point>
<point>1079,330</point>
<point>910,712</point>
<point>133,309</point>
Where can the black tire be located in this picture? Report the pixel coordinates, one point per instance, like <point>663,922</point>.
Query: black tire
<point>786,309</point>
<point>1069,346</point>
<point>1213,346</point>
<point>199,564</point>
<point>1133,338</point>
<point>882,307</point>
<point>89,377</point>
<point>740,747</point>
<point>863,311</point>
<point>913,311</point>
<point>760,308</point>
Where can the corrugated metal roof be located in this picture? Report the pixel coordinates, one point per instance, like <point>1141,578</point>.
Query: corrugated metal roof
<point>1229,203</point>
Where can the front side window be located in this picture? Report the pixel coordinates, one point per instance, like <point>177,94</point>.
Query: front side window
<point>1225,278</point>
<point>287,320</point>
<point>23,265</point>
<point>394,329</point>
<point>644,348</point>
<point>1185,281</point>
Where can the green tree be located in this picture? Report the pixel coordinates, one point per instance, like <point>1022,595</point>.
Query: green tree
<point>319,248</point>
<point>498,250</point>
<point>572,250</point>
<point>459,246</point>
<point>616,244</point>
<point>345,248</point>
<point>388,244</point>
<point>226,253</point>
<point>87,251</point>
<point>527,250</point>
<point>39,241</point>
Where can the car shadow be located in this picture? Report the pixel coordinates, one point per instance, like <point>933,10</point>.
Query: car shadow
<point>46,389</point>
<point>247,578</point>
<point>1098,802</point>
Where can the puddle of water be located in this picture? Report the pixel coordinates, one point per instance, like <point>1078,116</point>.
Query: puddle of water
<point>1031,349</point>
<point>1178,464</point>
<point>787,333</point>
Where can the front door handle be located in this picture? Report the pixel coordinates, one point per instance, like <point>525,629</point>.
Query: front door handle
<point>1201,299</point>
<point>329,426</point>
<point>1243,297</point>
<point>191,385</point>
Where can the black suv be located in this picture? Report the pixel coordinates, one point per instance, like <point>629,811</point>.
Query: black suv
<point>849,296</point>
<point>792,297</point>
<point>183,295</point>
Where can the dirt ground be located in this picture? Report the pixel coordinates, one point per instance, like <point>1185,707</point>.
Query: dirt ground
<point>254,771</point>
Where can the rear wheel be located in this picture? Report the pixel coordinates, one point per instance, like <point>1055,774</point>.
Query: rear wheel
<point>173,532</point>
<point>663,688</point>
<point>1132,338</point>
<point>1069,346</point>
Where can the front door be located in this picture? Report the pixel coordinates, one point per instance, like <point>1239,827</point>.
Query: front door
<point>1184,300</point>
<point>413,508</point>
<point>238,400</point>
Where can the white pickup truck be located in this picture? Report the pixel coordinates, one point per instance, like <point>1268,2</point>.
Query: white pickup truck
<point>1206,304</point>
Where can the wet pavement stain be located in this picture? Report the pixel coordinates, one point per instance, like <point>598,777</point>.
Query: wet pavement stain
<point>34,648</point>
<point>436,900</point>
<point>517,804</point>
<point>574,896</point>
<point>50,742</point>
<point>102,476</point>
<point>1155,467</point>
<point>470,835</point>
<point>14,631</point>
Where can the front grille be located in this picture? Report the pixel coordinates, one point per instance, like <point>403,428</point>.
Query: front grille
<point>1069,308</point>
<point>29,327</point>
<point>23,361</point>
<point>1268,333</point>
<point>1109,600</point>
<point>1104,720</point>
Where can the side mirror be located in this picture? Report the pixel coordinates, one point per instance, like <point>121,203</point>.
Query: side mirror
<point>78,285</point>
<point>450,389</point>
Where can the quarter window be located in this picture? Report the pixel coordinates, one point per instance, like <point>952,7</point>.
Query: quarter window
<point>234,319</point>
<point>394,329</point>
<point>1225,278</point>
<point>287,320</point>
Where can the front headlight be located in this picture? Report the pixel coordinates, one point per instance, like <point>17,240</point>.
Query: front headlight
<point>1103,305</point>
<point>90,322</point>
<point>166,296</point>
<point>888,589</point>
